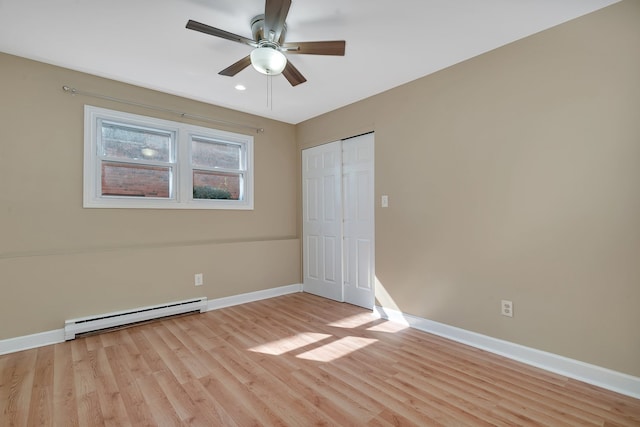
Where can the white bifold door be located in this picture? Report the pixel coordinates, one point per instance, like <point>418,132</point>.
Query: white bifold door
<point>338,220</point>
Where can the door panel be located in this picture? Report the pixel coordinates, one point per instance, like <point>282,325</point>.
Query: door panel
<point>358,220</point>
<point>322,220</point>
<point>311,252</point>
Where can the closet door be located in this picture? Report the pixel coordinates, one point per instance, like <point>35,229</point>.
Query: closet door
<point>358,220</point>
<point>322,220</point>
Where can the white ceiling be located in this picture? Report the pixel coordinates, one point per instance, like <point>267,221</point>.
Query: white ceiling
<point>144,42</point>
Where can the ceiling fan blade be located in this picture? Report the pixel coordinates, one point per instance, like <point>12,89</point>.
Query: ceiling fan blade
<point>334,47</point>
<point>275,15</point>
<point>292,74</point>
<point>234,69</point>
<point>204,28</point>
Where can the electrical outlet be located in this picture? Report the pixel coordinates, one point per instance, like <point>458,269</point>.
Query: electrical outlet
<point>199,279</point>
<point>506,308</point>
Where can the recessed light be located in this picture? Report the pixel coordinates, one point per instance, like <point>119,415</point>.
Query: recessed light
<point>240,87</point>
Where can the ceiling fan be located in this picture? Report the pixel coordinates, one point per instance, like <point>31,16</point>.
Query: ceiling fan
<point>268,32</point>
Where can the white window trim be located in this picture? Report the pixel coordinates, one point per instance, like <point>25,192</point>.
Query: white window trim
<point>183,179</point>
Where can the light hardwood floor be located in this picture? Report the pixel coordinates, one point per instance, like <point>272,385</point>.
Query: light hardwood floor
<point>296,360</point>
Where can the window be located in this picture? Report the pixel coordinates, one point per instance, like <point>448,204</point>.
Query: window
<point>134,161</point>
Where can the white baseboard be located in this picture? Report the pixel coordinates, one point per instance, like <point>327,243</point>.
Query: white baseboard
<point>585,372</point>
<point>253,296</point>
<point>26,342</point>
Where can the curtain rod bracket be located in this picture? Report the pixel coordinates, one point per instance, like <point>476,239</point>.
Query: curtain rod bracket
<point>69,89</point>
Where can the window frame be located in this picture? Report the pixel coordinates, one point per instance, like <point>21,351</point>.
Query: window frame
<point>182,179</point>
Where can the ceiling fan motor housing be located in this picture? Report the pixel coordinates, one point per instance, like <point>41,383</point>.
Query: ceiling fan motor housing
<point>257,30</point>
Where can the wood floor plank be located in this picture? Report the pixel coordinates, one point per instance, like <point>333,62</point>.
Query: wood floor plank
<point>334,403</point>
<point>208,406</point>
<point>262,385</point>
<point>225,394</point>
<point>111,339</point>
<point>152,359</point>
<point>532,390</point>
<point>242,403</point>
<point>112,405</point>
<point>132,355</point>
<point>318,410</point>
<point>159,406</point>
<point>189,404</point>
<point>65,410</point>
<point>440,402</point>
<point>187,349</point>
<point>88,403</point>
<point>17,383</point>
<point>392,403</point>
<point>295,360</point>
<point>481,396</point>
<point>166,353</point>
<point>137,408</point>
<point>41,402</point>
<point>391,418</point>
<point>93,342</point>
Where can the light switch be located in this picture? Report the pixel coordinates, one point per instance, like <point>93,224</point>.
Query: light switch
<point>384,202</point>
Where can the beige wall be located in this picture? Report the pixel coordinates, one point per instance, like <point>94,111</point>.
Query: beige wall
<point>516,175</point>
<point>59,261</point>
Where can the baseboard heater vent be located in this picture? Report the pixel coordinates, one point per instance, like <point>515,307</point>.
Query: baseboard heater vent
<point>120,318</point>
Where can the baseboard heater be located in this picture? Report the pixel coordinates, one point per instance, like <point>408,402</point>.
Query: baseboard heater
<point>120,318</point>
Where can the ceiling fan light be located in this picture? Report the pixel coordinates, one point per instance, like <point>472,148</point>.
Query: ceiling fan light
<point>267,60</point>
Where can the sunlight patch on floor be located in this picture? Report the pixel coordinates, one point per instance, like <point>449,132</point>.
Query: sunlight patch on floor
<point>285,345</point>
<point>353,321</point>
<point>390,327</point>
<point>337,349</point>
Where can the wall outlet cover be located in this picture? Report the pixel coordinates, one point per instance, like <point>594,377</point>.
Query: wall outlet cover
<point>199,279</point>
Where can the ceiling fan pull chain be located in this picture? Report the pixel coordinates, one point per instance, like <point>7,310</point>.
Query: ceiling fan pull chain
<point>270,92</point>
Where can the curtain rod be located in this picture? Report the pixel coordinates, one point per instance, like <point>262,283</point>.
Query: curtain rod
<point>74,91</point>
